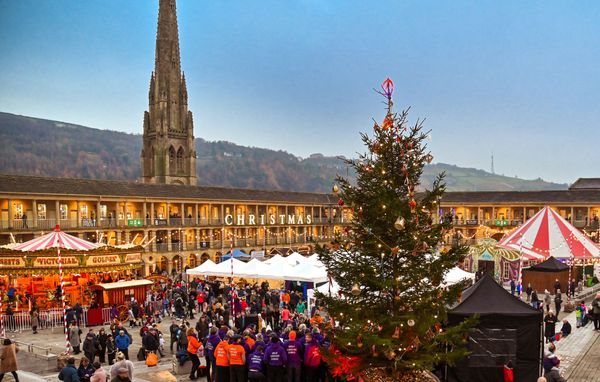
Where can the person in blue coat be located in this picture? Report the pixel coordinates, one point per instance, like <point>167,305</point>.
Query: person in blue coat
<point>123,341</point>
<point>69,372</point>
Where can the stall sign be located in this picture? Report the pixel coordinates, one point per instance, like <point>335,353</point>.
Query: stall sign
<point>103,260</point>
<point>135,222</point>
<point>502,223</point>
<point>11,262</point>
<point>133,258</point>
<point>160,221</point>
<point>49,262</point>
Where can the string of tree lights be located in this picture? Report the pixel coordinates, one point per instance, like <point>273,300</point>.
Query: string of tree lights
<point>389,265</point>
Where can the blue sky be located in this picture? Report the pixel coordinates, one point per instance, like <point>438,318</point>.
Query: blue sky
<point>519,79</point>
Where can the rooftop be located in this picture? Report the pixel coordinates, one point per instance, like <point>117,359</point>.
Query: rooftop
<point>38,185</point>
<point>586,184</point>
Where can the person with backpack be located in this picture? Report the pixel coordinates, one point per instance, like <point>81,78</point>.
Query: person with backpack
<point>173,329</point>
<point>312,358</point>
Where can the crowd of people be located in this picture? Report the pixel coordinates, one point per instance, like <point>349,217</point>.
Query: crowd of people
<point>246,332</point>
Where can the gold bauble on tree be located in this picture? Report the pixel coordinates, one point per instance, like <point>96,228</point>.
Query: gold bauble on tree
<point>399,223</point>
<point>335,189</point>
<point>355,290</point>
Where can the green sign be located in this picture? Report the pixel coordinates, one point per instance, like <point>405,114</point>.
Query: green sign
<point>135,223</point>
<point>502,223</point>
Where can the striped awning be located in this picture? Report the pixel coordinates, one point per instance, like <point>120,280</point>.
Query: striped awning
<point>56,239</point>
<point>549,234</point>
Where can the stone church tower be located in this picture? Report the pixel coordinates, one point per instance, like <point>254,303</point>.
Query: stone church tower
<point>168,154</point>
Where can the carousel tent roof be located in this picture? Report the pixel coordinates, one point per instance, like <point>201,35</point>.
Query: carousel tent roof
<point>550,265</point>
<point>489,248</point>
<point>56,239</point>
<point>549,234</point>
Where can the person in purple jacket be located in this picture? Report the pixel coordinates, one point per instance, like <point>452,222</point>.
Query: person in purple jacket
<point>275,358</point>
<point>212,341</point>
<point>256,364</point>
<point>294,357</point>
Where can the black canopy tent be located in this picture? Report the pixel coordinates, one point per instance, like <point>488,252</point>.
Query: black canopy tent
<point>542,276</point>
<point>508,330</point>
<point>549,265</point>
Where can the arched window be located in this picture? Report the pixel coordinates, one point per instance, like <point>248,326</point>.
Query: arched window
<point>172,161</point>
<point>180,167</point>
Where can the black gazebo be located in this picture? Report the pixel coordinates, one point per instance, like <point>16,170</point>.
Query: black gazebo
<point>508,330</point>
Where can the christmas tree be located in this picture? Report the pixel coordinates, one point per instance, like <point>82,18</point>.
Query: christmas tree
<point>389,263</point>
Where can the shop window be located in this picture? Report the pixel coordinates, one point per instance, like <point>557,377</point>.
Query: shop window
<point>41,211</point>
<point>18,210</point>
<point>506,271</point>
<point>64,211</point>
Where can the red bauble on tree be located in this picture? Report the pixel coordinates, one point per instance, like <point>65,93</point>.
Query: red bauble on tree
<point>340,202</point>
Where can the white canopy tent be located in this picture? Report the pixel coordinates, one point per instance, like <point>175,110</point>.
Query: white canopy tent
<point>296,259</point>
<point>456,275</point>
<point>279,269</point>
<point>208,265</point>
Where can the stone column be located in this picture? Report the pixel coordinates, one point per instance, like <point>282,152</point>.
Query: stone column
<point>10,213</point>
<point>144,213</point>
<point>198,238</point>
<point>152,213</point>
<point>169,242</point>
<point>98,213</point>
<point>34,213</point>
<point>168,214</point>
<point>78,215</point>
<point>118,238</point>
<point>196,215</point>
<point>56,207</point>
<point>151,236</point>
<point>183,239</point>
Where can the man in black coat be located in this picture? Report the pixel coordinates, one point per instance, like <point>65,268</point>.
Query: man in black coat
<point>150,341</point>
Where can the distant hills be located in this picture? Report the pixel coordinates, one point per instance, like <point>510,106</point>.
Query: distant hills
<point>33,146</point>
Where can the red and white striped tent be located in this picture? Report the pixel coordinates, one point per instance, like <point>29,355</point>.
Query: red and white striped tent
<point>58,240</point>
<point>549,234</point>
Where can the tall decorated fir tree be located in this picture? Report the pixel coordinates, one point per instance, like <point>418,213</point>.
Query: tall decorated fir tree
<point>390,315</point>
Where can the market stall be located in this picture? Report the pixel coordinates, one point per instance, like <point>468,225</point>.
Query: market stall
<point>542,276</point>
<point>35,275</point>
<point>117,293</point>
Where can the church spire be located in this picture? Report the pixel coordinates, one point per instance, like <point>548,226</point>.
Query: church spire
<point>168,154</point>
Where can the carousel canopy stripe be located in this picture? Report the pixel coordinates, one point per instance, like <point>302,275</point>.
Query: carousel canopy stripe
<point>124,284</point>
<point>490,246</point>
<point>56,239</point>
<point>549,234</point>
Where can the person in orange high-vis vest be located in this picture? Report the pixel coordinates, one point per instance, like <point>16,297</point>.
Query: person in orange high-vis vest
<point>222,360</point>
<point>237,360</point>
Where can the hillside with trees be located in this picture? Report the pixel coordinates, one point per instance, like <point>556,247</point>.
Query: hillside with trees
<point>33,146</point>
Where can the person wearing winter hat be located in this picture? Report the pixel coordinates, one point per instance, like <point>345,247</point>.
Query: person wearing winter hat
<point>294,360</point>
